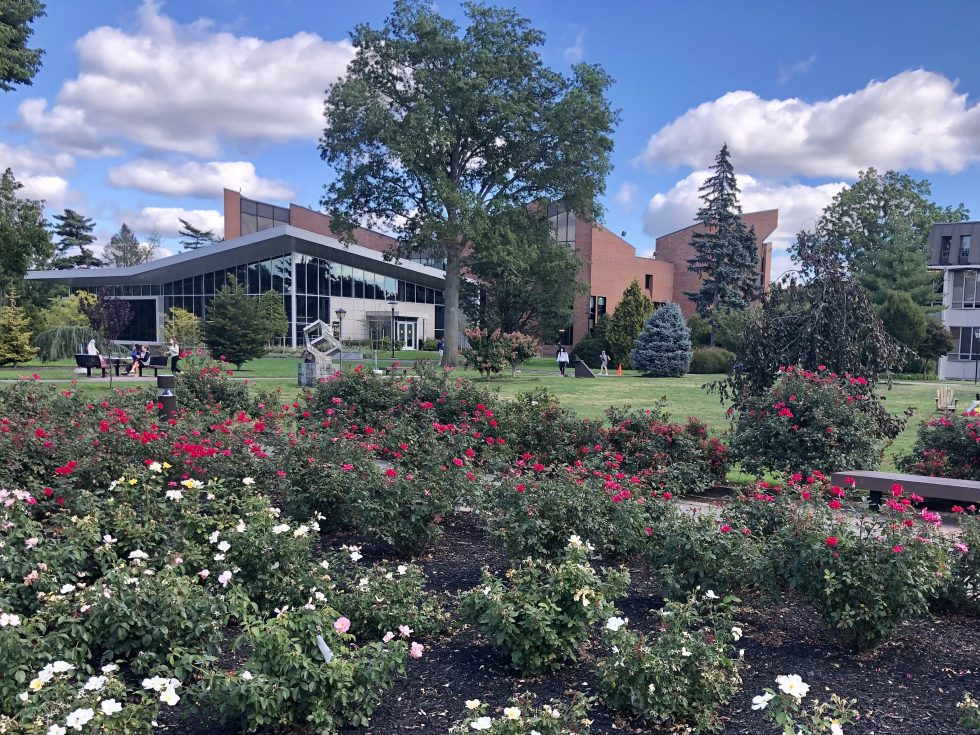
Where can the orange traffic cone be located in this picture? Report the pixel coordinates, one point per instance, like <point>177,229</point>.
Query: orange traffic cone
<point>619,370</point>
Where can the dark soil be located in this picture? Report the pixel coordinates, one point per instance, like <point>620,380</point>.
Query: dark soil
<point>909,686</point>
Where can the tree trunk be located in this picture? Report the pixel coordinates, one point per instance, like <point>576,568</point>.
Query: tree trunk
<point>451,313</point>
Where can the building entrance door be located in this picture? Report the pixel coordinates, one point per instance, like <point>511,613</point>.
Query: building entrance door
<point>405,332</point>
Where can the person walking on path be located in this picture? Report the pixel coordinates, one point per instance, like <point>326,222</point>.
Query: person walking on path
<point>173,349</point>
<point>442,349</point>
<point>562,358</point>
<point>604,364</point>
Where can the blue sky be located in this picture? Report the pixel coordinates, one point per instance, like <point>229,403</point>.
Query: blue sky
<point>143,110</point>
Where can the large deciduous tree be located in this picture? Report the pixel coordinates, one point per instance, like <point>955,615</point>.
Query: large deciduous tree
<point>878,230</point>
<point>74,230</point>
<point>726,256</point>
<point>24,239</point>
<point>522,279</point>
<point>18,63</point>
<point>435,129</point>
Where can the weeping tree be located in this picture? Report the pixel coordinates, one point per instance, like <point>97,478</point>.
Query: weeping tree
<point>434,129</point>
<point>62,342</point>
<point>824,320</point>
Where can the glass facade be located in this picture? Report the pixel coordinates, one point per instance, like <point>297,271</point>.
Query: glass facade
<point>964,294</point>
<point>256,216</point>
<point>562,224</point>
<point>966,343</point>
<point>317,280</point>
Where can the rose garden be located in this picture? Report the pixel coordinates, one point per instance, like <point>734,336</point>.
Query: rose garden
<point>384,554</point>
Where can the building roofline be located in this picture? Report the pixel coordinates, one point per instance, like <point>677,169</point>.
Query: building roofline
<point>230,246</point>
<point>695,224</point>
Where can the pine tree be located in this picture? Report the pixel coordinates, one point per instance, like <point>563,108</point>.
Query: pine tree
<point>726,257</point>
<point>234,329</point>
<point>663,349</point>
<point>125,249</point>
<point>74,230</point>
<point>194,237</point>
<point>275,322</point>
<point>15,335</point>
<point>626,322</point>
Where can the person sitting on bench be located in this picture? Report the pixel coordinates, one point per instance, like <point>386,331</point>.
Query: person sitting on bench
<point>141,357</point>
<point>91,349</point>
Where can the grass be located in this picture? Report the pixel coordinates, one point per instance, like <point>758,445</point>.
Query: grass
<point>587,398</point>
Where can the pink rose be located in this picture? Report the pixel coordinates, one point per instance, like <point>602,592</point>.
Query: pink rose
<point>416,650</point>
<point>342,625</point>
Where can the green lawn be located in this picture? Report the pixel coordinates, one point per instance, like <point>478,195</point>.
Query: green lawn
<point>587,398</point>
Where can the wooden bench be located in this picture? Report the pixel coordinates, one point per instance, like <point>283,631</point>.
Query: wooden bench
<point>157,363</point>
<point>937,488</point>
<point>92,362</point>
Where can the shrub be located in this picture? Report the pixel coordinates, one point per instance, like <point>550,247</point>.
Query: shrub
<point>589,349</point>
<point>699,551</point>
<point>535,423</point>
<point>524,717</point>
<point>286,681</point>
<point>486,352</point>
<point>962,590</point>
<point>808,421</point>
<point>533,513</point>
<point>203,383</point>
<point>946,446</point>
<point>542,613</point>
<point>785,709</point>
<point>684,676</point>
<point>971,712</point>
<point>663,348</point>
<point>429,344</point>
<point>866,580</point>
<point>711,360</point>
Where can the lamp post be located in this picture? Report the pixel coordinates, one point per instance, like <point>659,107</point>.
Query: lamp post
<point>392,303</point>
<point>561,337</point>
<point>976,355</point>
<point>341,313</point>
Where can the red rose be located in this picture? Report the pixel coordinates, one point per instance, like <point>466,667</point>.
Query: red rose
<point>832,541</point>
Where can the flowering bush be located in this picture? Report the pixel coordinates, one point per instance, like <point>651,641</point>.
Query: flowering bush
<point>946,446</point>
<point>866,578</point>
<point>204,382</point>
<point>382,598</point>
<point>532,513</point>
<point>524,717</point>
<point>682,677</point>
<point>971,712</point>
<point>809,421</point>
<point>542,613</point>
<point>696,550</point>
<point>785,709</point>
<point>535,422</point>
<point>962,588</point>
<point>62,698</point>
<point>303,672</point>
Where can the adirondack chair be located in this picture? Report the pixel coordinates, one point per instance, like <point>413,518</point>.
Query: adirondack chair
<point>945,399</point>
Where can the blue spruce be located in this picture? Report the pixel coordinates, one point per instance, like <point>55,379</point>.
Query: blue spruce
<point>663,349</point>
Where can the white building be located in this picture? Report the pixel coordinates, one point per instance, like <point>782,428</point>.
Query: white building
<point>954,249</point>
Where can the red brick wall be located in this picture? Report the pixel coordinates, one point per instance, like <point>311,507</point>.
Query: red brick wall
<point>676,248</point>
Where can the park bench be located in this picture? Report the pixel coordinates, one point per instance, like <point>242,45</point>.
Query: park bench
<point>878,484</point>
<point>91,362</point>
<point>157,363</point>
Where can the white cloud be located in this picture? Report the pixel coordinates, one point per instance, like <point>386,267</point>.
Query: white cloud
<point>196,179</point>
<point>788,71</point>
<point>40,173</point>
<point>799,205</point>
<point>188,88</point>
<point>626,195</point>
<point>915,119</point>
<point>575,52</point>
<point>166,220</point>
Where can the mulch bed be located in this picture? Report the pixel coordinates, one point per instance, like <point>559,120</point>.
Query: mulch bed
<point>909,686</point>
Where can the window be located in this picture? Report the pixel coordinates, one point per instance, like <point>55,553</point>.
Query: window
<point>648,282</point>
<point>946,245</point>
<point>965,241</point>
<point>966,343</point>
<point>964,294</point>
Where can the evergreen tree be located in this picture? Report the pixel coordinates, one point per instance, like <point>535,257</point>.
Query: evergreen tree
<point>234,330</point>
<point>194,238</point>
<point>272,313</point>
<point>626,323</point>
<point>663,349</point>
<point>74,230</point>
<point>15,335</point>
<point>903,318</point>
<point>125,249</point>
<point>727,258</point>
<point>18,63</point>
